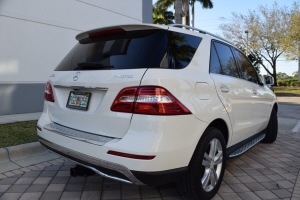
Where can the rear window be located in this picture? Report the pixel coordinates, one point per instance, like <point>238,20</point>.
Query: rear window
<point>131,50</point>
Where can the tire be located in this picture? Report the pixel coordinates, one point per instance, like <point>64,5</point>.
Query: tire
<point>272,128</point>
<point>198,182</point>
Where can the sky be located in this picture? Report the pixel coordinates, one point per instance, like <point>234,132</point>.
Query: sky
<point>210,19</point>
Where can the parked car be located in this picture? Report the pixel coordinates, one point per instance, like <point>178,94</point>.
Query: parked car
<point>151,104</point>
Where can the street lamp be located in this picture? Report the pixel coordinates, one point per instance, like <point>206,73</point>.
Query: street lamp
<point>247,43</point>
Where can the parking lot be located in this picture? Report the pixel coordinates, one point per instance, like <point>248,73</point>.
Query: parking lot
<point>267,171</point>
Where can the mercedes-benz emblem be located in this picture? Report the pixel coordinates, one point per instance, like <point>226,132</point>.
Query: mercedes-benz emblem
<point>76,77</point>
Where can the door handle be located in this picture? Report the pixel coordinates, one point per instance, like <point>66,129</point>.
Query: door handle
<point>255,92</point>
<point>224,89</point>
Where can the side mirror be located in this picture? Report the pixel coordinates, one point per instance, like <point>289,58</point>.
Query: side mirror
<point>268,80</point>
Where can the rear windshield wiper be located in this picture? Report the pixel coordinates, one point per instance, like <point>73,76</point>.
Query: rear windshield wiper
<point>92,65</point>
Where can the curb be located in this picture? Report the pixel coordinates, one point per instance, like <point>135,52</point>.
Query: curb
<point>25,150</point>
<point>24,155</point>
<point>21,151</point>
<point>4,155</point>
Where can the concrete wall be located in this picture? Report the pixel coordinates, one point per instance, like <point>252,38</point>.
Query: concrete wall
<point>35,36</point>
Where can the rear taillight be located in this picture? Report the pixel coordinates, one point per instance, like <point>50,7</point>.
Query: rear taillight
<point>124,100</point>
<point>48,95</point>
<point>150,100</point>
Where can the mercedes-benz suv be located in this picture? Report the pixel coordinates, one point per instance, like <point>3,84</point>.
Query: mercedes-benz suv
<point>151,104</point>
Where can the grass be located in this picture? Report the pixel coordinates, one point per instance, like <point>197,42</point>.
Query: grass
<point>289,90</point>
<point>18,133</point>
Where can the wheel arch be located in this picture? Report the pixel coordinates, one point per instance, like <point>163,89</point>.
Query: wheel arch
<point>275,106</point>
<point>222,126</point>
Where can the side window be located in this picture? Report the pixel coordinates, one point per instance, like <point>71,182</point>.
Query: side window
<point>227,60</point>
<point>247,70</point>
<point>176,50</point>
<point>214,66</point>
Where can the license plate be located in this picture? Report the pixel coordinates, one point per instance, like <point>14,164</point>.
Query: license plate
<point>79,100</point>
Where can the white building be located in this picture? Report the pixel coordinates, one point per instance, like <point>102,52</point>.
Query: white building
<point>35,35</point>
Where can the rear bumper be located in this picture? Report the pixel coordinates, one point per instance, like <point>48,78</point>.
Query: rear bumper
<point>116,171</point>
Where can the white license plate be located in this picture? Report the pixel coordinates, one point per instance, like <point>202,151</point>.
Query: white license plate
<point>79,100</point>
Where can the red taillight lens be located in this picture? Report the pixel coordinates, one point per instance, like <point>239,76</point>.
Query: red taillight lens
<point>48,95</point>
<point>126,155</point>
<point>158,101</point>
<point>106,33</point>
<point>150,100</point>
<point>124,100</point>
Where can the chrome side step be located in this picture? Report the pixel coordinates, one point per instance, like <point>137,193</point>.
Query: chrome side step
<point>247,146</point>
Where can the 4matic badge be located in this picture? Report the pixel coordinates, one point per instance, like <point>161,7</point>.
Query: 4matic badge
<point>123,76</point>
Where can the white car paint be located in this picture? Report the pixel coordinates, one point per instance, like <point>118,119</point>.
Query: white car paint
<point>172,139</point>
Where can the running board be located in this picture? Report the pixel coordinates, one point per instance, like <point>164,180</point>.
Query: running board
<point>247,146</point>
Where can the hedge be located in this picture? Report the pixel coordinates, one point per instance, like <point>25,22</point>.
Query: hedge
<point>288,82</point>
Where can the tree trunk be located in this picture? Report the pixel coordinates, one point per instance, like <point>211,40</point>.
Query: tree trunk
<point>178,12</point>
<point>193,15</point>
<point>186,12</point>
<point>274,73</point>
<point>299,70</point>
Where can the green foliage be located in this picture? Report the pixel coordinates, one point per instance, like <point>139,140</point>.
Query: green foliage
<point>205,3</point>
<point>161,15</point>
<point>288,82</point>
<point>288,90</point>
<point>295,74</point>
<point>18,133</point>
<point>266,28</point>
<point>281,75</point>
<point>291,39</point>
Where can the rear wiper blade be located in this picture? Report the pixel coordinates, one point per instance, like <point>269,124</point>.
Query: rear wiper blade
<point>91,65</point>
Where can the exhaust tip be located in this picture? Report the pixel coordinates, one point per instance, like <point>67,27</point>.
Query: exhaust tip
<point>73,172</point>
<point>81,171</point>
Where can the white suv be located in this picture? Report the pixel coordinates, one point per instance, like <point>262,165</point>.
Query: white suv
<point>151,104</point>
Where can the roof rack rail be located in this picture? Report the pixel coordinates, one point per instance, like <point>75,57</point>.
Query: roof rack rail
<point>200,31</point>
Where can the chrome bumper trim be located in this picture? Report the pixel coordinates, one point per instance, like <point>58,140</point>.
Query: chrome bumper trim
<point>78,135</point>
<point>81,87</point>
<point>95,161</point>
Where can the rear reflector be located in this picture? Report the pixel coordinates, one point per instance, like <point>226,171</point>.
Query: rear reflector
<point>151,100</point>
<point>40,129</point>
<point>126,155</point>
<point>48,95</point>
<point>106,33</point>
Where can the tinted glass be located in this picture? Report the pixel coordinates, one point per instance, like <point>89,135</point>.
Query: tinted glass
<point>246,69</point>
<point>227,60</point>
<point>176,51</point>
<point>131,50</point>
<point>214,66</point>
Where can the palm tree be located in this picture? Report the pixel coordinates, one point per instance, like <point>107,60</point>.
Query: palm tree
<point>182,8</point>
<point>162,17</point>
<point>205,4</point>
<point>160,13</point>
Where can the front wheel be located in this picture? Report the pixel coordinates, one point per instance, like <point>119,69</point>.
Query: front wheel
<point>206,168</point>
<point>272,128</point>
